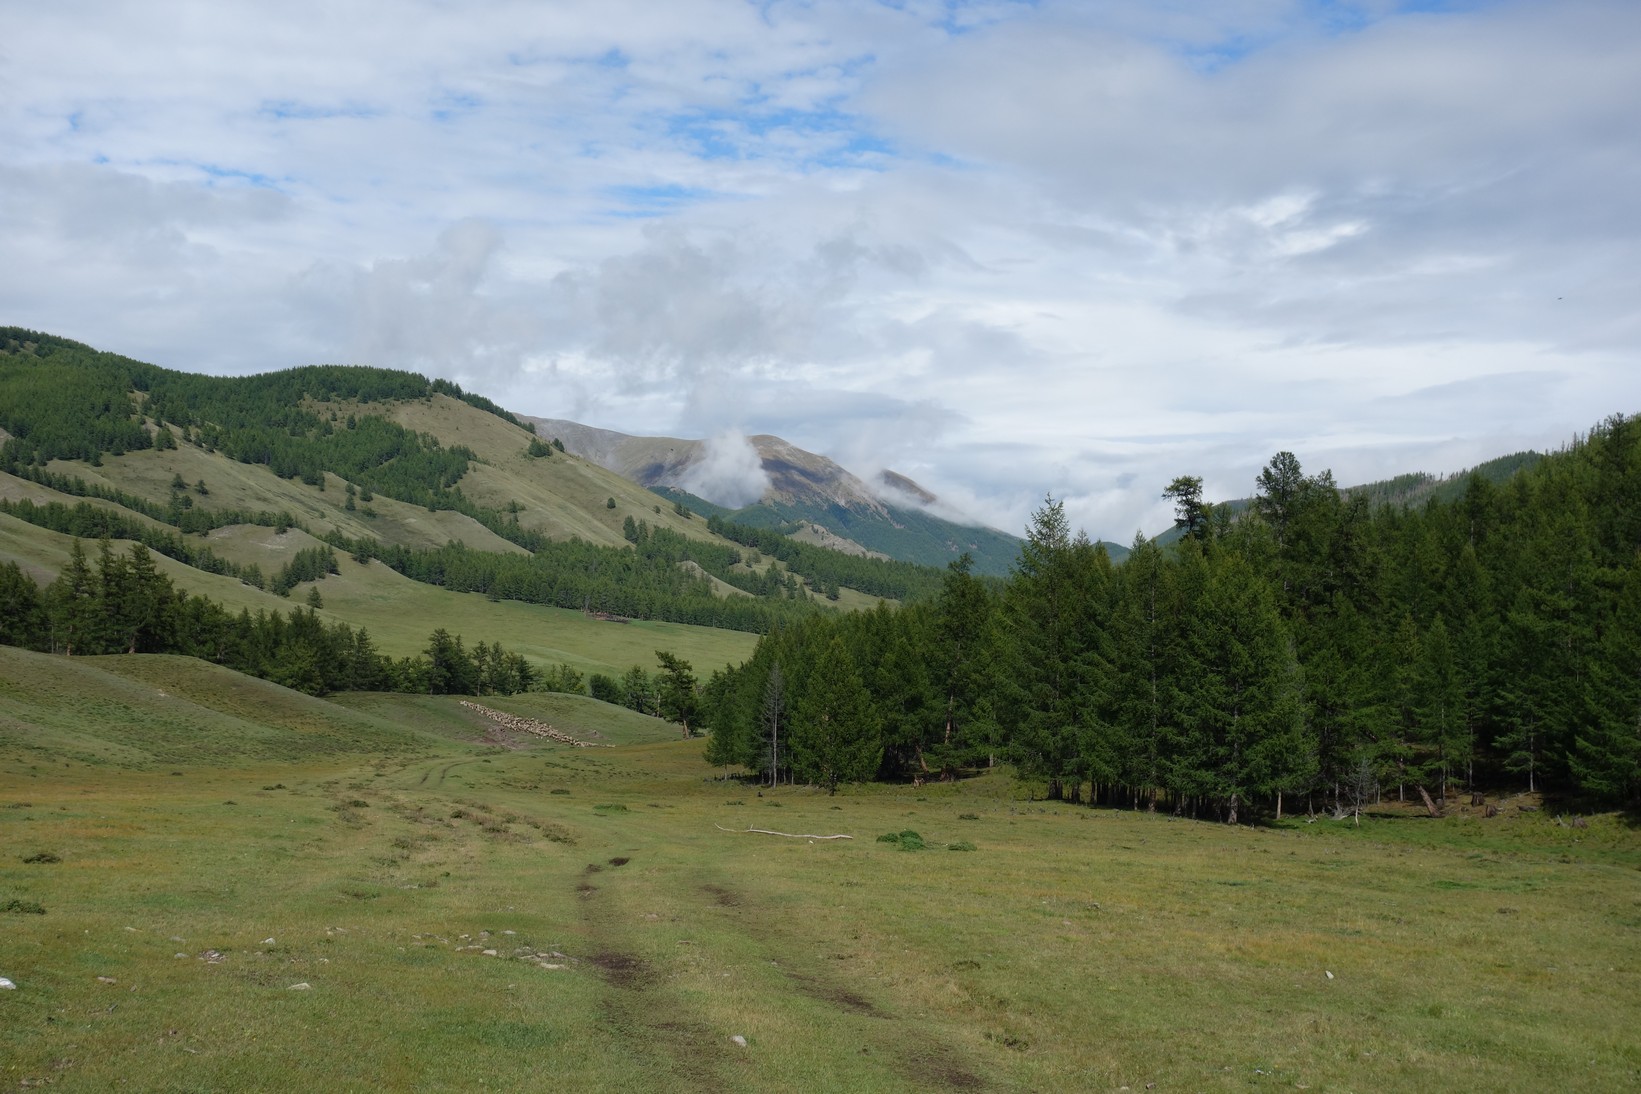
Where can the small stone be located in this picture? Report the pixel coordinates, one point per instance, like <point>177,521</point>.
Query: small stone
<point>738,1041</point>
<point>550,965</point>
<point>178,938</point>
<point>7,985</point>
<point>304,986</point>
<point>490,953</point>
<point>179,955</point>
<point>106,980</point>
<point>509,932</point>
<point>267,942</point>
<point>1330,975</point>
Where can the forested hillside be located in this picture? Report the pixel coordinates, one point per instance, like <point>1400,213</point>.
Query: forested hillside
<point>124,604</point>
<point>97,427</point>
<point>1314,652</point>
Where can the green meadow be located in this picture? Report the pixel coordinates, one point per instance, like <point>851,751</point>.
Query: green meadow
<point>211,883</point>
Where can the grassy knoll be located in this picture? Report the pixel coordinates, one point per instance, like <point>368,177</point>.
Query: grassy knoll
<point>637,926</point>
<point>401,613</point>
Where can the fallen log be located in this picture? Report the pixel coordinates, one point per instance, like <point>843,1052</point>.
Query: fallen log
<point>771,832</point>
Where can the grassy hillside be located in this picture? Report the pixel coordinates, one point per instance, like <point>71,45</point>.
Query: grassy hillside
<point>400,613</point>
<point>429,905</point>
<point>141,713</point>
<point>380,463</point>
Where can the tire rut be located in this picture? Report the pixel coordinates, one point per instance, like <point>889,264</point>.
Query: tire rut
<point>929,1063</point>
<point>637,1008</point>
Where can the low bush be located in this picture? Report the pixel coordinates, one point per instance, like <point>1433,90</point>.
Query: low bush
<point>905,839</point>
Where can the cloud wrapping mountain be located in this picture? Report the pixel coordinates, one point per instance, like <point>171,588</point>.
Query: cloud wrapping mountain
<point>729,472</point>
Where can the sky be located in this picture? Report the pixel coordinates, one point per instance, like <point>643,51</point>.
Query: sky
<point>1009,249</point>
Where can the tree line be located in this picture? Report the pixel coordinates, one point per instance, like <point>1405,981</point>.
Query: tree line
<point>121,602</point>
<point>1312,652</point>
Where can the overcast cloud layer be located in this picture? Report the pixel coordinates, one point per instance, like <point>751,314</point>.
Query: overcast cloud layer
<point>1004,248</point>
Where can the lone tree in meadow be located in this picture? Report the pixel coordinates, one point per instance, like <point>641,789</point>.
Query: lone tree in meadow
<point>679,699</point>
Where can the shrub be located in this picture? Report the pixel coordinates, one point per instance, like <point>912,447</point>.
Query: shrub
<point>43,858</point>
<point>23,907</point>
<point>961,845</point>
<point>906,839</point>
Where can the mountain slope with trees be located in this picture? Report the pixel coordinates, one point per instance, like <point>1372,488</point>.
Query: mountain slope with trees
<point>1314,652</point>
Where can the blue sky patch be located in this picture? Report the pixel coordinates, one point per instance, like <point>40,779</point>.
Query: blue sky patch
<point>295,110</point>
<point>657,200</point>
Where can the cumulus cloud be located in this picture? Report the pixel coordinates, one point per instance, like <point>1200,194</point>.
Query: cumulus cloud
<point>729,473</point>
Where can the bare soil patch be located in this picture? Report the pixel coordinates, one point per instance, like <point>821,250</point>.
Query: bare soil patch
<point>726,898</point>
<point>623,970</point>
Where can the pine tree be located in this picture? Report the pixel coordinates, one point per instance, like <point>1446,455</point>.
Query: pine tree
<point>961,656</point>
<point>1442,705</point>
<point>677,696</point>
<point>835,734</point>
<point>72,603</point>
<point>1140,654</point>
<point>22,609</point>
<point>1606,758</point>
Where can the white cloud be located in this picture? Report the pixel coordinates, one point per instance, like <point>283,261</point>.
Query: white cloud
<point>1001,247</point>
<point>729,472</point>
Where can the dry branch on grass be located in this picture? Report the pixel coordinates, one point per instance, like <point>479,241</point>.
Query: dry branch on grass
<point>771,832</point>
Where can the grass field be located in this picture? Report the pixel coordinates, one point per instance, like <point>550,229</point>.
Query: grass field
<point>471,908</point>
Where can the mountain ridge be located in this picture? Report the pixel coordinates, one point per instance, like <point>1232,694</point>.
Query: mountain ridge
<point>792,490</point>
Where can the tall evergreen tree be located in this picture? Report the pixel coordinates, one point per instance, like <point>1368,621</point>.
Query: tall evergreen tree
<point>835,731</point>
<point>71,602</point>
